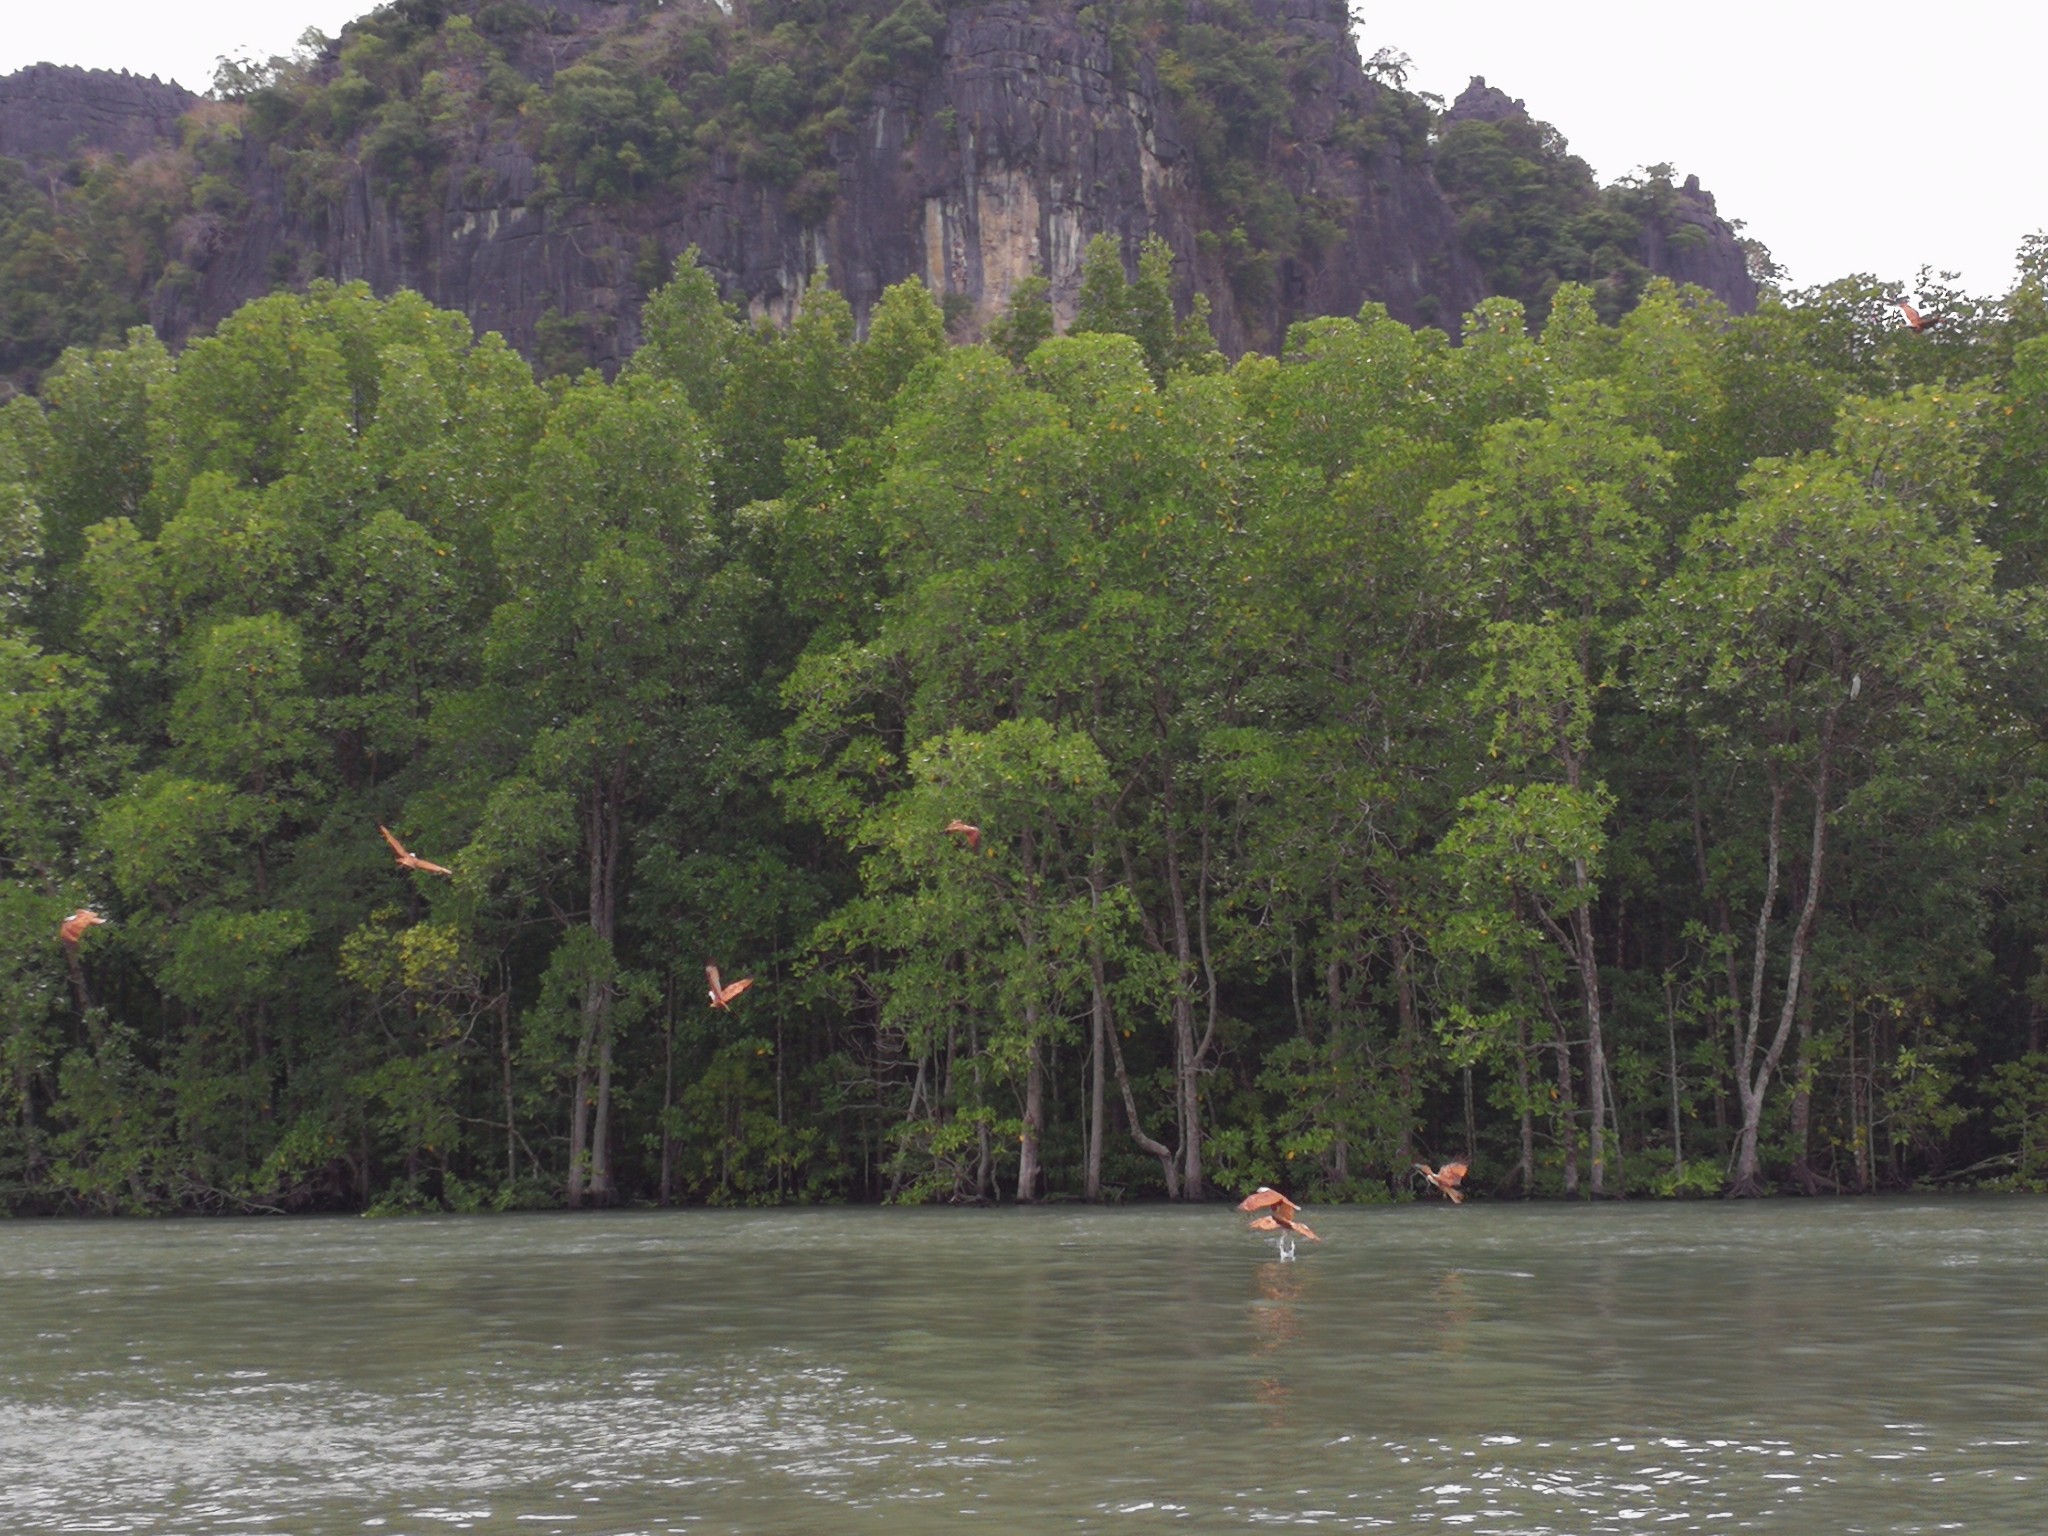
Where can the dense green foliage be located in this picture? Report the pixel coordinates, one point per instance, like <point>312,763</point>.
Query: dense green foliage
<point>1533,217</point>
<point>1243,89</point>
<point>83,245</point>
<point>631,112</point>
<point>1615,753</point>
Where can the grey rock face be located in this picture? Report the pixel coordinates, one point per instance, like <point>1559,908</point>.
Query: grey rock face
<point>1019,148</point>
<point>1696,245</point>
<point>1022,143</point>
<point>50,112</point>
<point>1483,103</point>
<point>1692,244</point>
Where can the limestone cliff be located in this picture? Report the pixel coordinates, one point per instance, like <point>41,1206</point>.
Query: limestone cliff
<point>1031,126</point>
<point>49,112</point>
<point>1005,160</point>
<point>1694,244</point>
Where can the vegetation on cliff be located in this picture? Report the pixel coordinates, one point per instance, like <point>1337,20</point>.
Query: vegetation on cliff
<point>1614,753</point>
<point>425,108</point>
<point>1533,216</point>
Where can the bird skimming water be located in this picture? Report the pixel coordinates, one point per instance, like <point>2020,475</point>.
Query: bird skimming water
<point>1447,1179</point>
<point>1277,1214</point>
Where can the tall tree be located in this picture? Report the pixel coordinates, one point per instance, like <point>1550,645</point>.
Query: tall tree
<point>610,556</point>
<point>1822,635</point>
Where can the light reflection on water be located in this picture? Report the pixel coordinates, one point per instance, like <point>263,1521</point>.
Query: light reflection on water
<point>1854,1367</point>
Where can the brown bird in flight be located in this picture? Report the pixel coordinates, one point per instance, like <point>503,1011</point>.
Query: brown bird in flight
<point>408,860</point>
<point>1446,1178</point>
<point>972,832</point>
<point>73,927</point>
<point>1915,321</point>
<point>1277,1214</point>
<point>722,993</point>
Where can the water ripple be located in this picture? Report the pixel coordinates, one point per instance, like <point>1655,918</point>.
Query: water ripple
<point>1542,1373</point>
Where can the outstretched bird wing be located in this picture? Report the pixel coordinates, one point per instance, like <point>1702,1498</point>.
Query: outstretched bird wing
<point>1262,1199</point>
<point>723,992</point>
<point>971,831</point>
<point>1276,1223</point>
<point>407,859</point>
<point>1451,1173</point>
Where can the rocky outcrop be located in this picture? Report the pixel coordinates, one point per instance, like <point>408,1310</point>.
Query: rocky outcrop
<point>1694,244</point>
<point>51,112</point>
<point>1483,103</point>
<point>1019,147</point>
<point>1028,136</point>
<point>1688,241</point>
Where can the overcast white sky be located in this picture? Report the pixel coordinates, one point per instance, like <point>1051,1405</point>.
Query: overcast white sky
<point>1850,135</point>
<point>162,37</point>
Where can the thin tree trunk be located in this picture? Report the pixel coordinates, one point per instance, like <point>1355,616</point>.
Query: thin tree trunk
<point>1596,1051</point>
<point>1407,1045</point>
<point>1333,994</point>
<point>33,1161</point>
<point>668,1087</point>
<point>1748,1019</point>
<point>1802,1101</point>
<point>1753,1077</point>
<point>1098,998</point>
<point>1587,956</point>
<point>1671,1039</point>
<point>589,1156</point>
<point>1098,1063</point>
<point>1187,1102</point>
<point>603,896</point>
<point>1157,940</point>
<point>1294,984</point>
<point>984,1153</point>
<point>1091,1112</point>
<point>1167,1162</point>
<point>1618,1185</point>
<point>579,1118</point>
<point>781,1112</point>
<point>1567,1109</point>
<point>1034,1114</point>
<point>83,994</point>
<point>1567,1098</point>
<point>1724,922</point>
<point>1528,1112</point>
<point>1029,1144</point>
<point>601,1122</point>
<point>1859,1114</point>
<point>505,1067</point>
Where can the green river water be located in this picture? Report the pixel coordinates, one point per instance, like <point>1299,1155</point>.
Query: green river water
<point>1855,1366</point>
